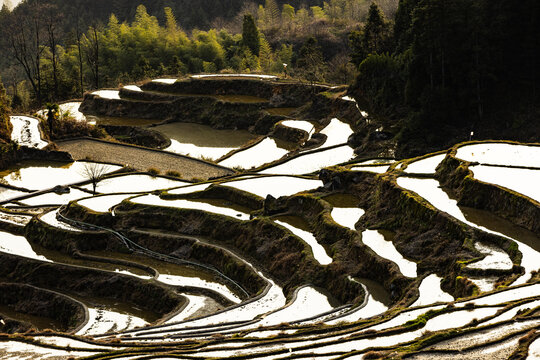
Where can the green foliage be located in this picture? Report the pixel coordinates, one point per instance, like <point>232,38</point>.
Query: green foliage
<point>153,171</point>
<point>249,62</point>
<point>372,39</point>
<point>174,173</point>
<point>460,65</point>
<point>250,35</point>
<point>381,81</point>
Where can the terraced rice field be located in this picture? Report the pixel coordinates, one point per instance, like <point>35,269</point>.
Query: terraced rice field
<point>364,260</point>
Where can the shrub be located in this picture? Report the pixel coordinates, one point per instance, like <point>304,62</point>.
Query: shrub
<point>153,171</point>
<point>174,173</point>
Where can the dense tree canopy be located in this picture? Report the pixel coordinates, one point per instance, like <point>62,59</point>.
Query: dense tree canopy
<point>456,66</point>
<point>52,60</point>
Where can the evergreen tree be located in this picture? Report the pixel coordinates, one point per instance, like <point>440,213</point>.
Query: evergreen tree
<point>375,31</point>
<point>250,35</point>
<point>402,24</point>
<point>4,12</point>
<point>372,39</point>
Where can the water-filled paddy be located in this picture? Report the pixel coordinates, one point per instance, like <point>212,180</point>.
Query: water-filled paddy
<point>308,163</point>
<point>379,169</point>
<point>308,302</point>
<point>108,94</point>
<point>189,189</point>
<point>256,76</point>
<point>103,203</point>
<point>133,88</point>
<point>51,219</point>
<point>484,284</point>
<point>197,306</point>
<point>319,252</point>
<point>337,132</point>
<point>501,154</point>
<point>482,336</point>
<point>426,165</point>
<point>134,183</point>
<point>523,181</point>
<point>6,194</point>
<point>26,132</point>
<point>186,204</point>
<point>165,81</point>
<point>431,292</point>
<point>347,217</point>
<point>200,141</point>
<point>264,152</point>
<point>52,198</point>
<point>495,258</point>
<point>17,219</point>
<point>68,108</point>
<point>274,185</point>
<point>508,295</point>
<point>18,245</point>
<point>534,350</point>
<point>21,350</point>
<point>270,301</point>
<point>40,176</point>
<point>300,124</point>
<point>102,320</point>
<point>429,189</point>
<point>386,249</point>
<point>507,315</point>
<point>179,275</point>
<point>458,318</point>
<point>71,109</point>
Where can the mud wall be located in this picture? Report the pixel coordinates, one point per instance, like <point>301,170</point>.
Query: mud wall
<point>284,256</point>
<point>86,282</point>
<point>521,210</point>
<point>346,245</point>
<point>435,240</point>
<point>39,302</point>
<point>67,242</point>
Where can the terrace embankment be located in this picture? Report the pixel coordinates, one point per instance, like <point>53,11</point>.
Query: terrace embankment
<point>138,136</point>
<point>66,312</point>
<point>11,154</point>
<point>456,175</point>
<point>345,245</point>
<point>67,242</point>
<point>435,240</point>
<point>87,282</point>
<point>285,257</point>
<point>223,103</point>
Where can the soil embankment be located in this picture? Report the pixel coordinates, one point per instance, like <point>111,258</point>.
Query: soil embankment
<point>30,300</point>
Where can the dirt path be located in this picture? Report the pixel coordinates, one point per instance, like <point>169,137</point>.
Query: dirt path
<point>141,158</point>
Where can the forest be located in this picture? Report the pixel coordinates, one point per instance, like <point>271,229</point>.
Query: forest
<point>432,71</point>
